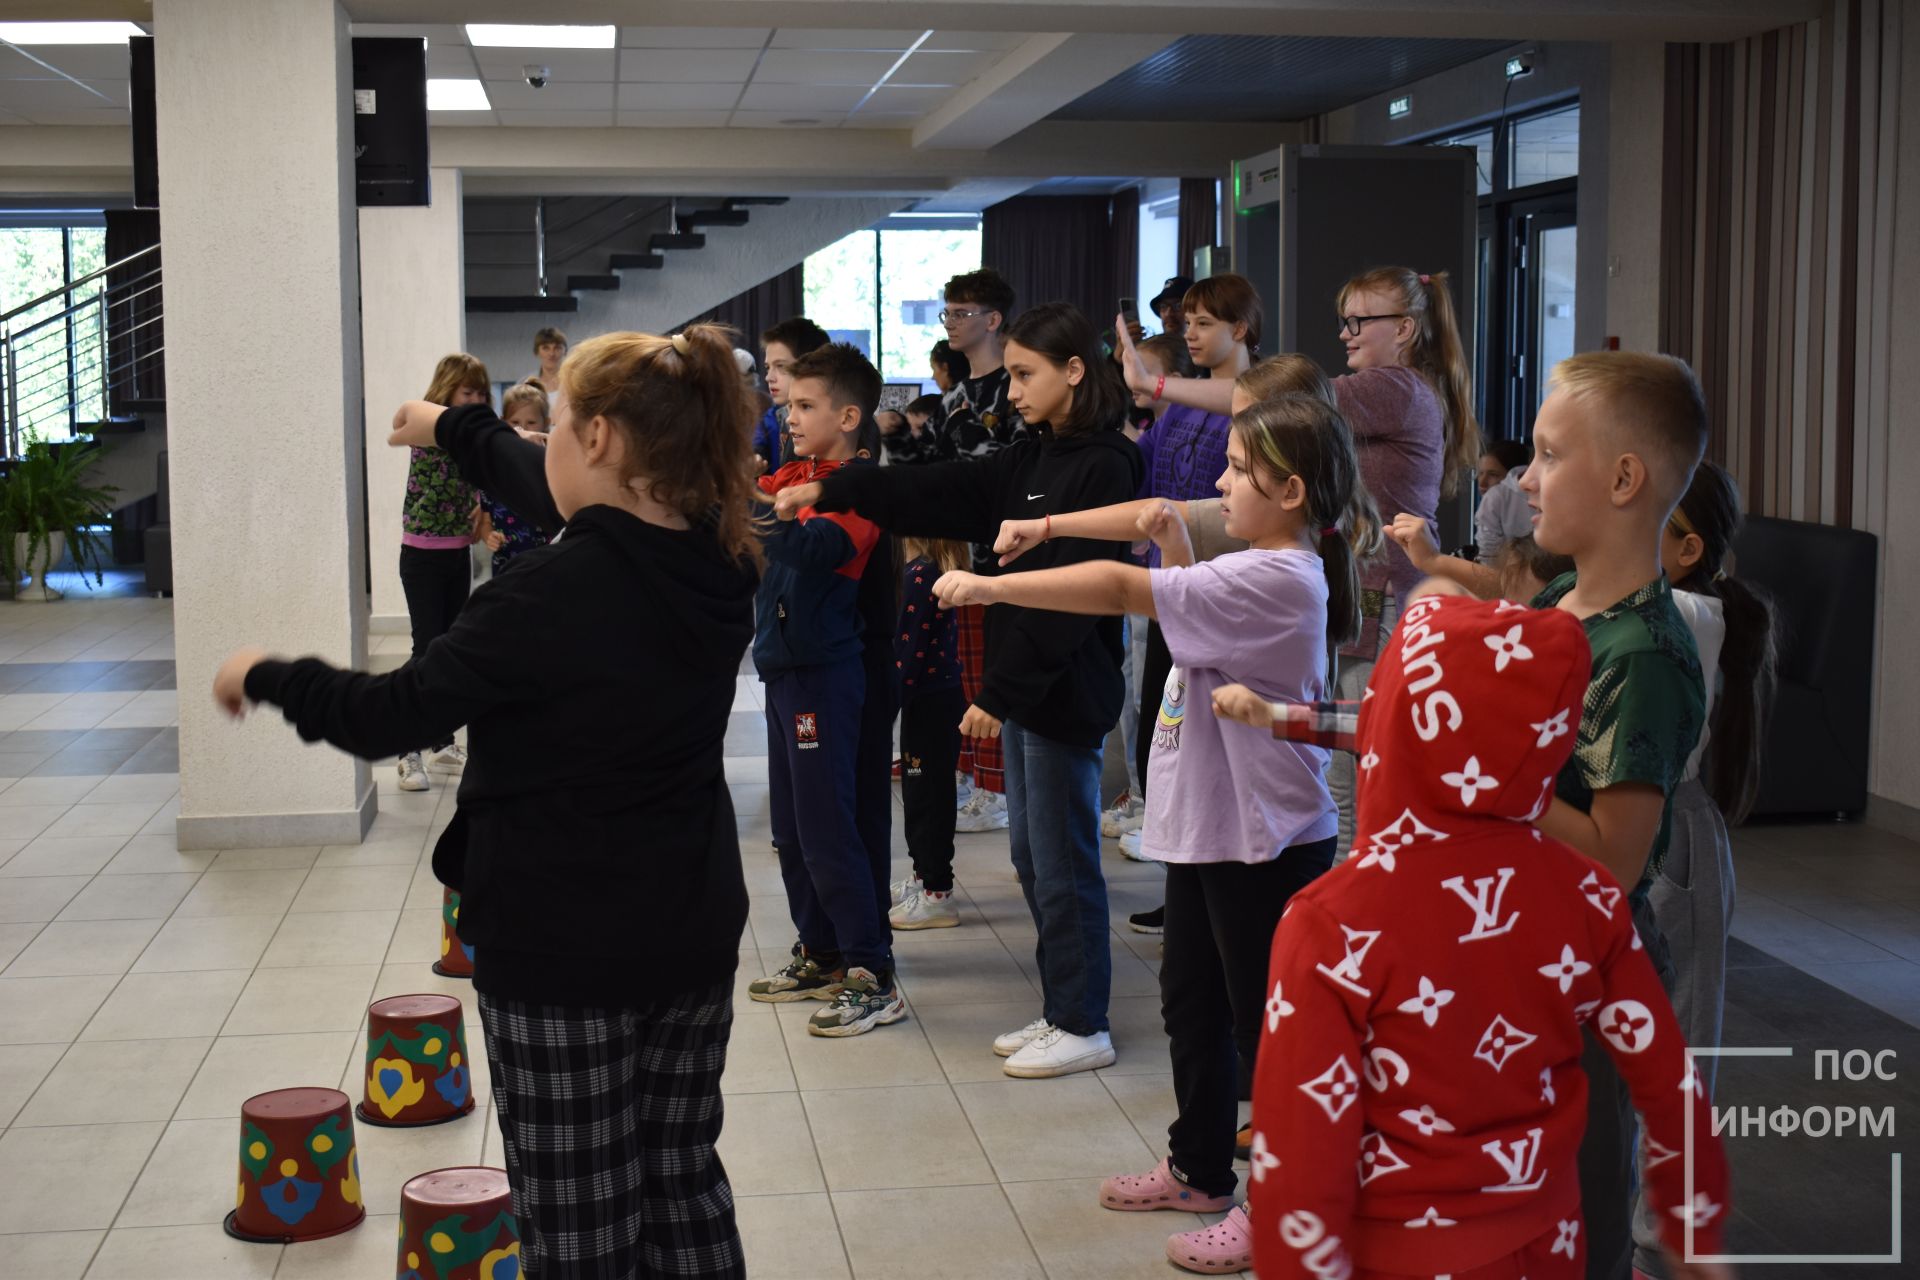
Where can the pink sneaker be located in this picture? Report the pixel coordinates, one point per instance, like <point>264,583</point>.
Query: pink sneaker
<point>1133,1192</point>
<point>1218,1250</point>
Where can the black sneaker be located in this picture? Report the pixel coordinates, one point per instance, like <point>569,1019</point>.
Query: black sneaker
<point>805,977</point>
<point>1154,921</point>
<point>864,1001</point>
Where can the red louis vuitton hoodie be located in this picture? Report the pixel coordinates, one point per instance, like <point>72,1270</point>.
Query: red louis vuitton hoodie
<point>1419,1099</point>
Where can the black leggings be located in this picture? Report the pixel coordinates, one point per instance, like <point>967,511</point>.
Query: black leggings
<point>1213,994</point>
<point>1154,668</point>
<point>436,583</point>
<point>929,751</point>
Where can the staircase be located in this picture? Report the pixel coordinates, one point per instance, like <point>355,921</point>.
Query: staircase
<point>557,249</point>
<point>84,359</point>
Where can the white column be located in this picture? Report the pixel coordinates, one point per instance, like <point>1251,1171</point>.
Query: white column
<point>412,312</point>
<point>263,385</point>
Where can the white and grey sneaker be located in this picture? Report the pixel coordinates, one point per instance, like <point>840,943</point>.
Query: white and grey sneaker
<point>962,789</point>
<point>1129,843</point>
<point>1060,1053</point>
<point>1014,1041</point>
<point>1126,815</point>
<point>451,758</point>
<point>986,811</point>
<point>900,890</point>
<point>413,774</point>
<point>924,909</point>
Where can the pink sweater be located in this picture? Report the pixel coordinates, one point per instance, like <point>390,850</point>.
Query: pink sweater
<point>1400,431</point>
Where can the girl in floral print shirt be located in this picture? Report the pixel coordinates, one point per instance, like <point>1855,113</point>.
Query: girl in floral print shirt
<point>438,524</point>
<point>524,408</point>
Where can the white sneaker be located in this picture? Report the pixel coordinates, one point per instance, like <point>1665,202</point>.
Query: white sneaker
<point>453,759</point>
<point>1014,1041</point>
<point>962,789</point>
<point>1060,1053</point>
<point>1130,846</point>
<point>925,910</point>
<point>986,811</point>
<point>900,890</point>
<point>1126,815</point>
<point>413,774</point>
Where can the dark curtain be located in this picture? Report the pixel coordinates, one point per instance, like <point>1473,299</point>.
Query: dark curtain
<point>761,307</point>
<point>1199,220</point>
<point>1125,231</point>
<point>136,369</point>
<point>1061,249</point>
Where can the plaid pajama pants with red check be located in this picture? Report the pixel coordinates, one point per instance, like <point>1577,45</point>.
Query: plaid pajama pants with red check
<point>980,757</point>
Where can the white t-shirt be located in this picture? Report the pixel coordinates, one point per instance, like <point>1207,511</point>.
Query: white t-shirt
<point>1706,618</point>
<point>1503,516</point>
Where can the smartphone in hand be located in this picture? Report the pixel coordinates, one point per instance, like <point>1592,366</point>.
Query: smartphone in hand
<point>1130,310</point>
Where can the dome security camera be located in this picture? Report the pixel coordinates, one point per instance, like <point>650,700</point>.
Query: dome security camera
<point>537,76</point>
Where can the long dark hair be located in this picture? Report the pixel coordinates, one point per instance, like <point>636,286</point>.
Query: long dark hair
<point>1057,332</point>
<point>1710,510</point>
<point>1303,435</point>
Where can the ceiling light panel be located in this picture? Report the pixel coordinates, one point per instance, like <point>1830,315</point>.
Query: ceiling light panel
<point>496,35</point>
<point>694,37</point>
<point>457,95</point>
<point>42,33</point>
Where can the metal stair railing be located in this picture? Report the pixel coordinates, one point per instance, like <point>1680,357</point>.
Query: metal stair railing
<point>67,356</point>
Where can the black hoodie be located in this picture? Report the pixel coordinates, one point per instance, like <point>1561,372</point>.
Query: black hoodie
<point>594,847</point>
<point>1057,674</point>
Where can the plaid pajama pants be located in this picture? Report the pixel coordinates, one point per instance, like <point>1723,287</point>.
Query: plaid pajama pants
<point>609,1117</point>
<point>980,757</point>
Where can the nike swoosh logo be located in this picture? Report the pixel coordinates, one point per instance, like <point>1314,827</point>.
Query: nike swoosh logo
<point>1035,497</point>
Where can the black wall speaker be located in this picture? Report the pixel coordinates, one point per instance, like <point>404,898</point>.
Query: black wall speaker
<point>390,121</point>
<point>146,151</point>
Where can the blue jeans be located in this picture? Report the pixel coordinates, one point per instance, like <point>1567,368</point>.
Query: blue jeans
<point>1053,815</point>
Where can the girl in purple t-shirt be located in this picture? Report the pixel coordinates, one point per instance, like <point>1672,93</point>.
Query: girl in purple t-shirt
<point>1241,820</point>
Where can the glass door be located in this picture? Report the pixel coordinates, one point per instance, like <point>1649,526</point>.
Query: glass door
<point>1540,302</point>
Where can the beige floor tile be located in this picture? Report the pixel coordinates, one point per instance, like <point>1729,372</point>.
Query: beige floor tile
<point>1088,1134</point>
<point>330,938</point>
<point>792,1236</point>
<point>65,949</point>
<point>164,1006</point>
<point>116,1081</point>
<point>70,1179</point>
<point>51,855</point>
<point>53,1255</point>
<point>25,821</point>
<point>49,1010</point>
<point>757,1059</point>
<point>401,850</point>
<point>190,1178</point>
<point>155,855</point>
<point>182,1253</point>
<point>14,938</point>
<point>207,942</point>
<point>424,893</point>
<point>294,1000</point>
<point>767,1146</point>
<point>416,939</point>
<point>913,1136</point>
<point>144,897</point>
<point>961,971</point>
<point>237,1067</point>
<point>896,1054</point>
<point>1077,1239</point>
<point>365,1253</point>
<point>389,1157</point>
<point>22,1068</point>
<point>39,898</point>
<point>131,788</point>
<point>265,859</point>
<point>1139,1036</point>
<point>354,889</point>
<point>104,819</point>
<point>241,893</point>
<point>962,1035</point>
<point>1148,1102</point>
<point>60,791</point>
<point>957,1233</point>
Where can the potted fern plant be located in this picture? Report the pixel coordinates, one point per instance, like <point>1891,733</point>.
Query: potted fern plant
<point>48,509</point>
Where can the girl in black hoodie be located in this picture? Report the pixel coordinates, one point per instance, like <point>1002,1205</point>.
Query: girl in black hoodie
<point>601,890</point>
<point>1053,685</point>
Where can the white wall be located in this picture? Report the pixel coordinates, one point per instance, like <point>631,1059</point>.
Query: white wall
<point>412,312</point>
<point>693,281</point>
<point>1636,121</point>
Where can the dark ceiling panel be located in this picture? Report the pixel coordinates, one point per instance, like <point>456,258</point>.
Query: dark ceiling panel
<point>1245,79</point>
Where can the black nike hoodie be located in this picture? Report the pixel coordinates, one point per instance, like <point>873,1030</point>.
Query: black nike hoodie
<point>594,848</point>
<point>1056,674</point>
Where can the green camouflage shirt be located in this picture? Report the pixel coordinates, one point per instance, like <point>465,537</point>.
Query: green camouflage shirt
<point>1645,703</point>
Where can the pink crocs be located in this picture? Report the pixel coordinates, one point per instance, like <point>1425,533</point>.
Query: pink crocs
<point>1218,1250</point>
<point>1133,1192</point>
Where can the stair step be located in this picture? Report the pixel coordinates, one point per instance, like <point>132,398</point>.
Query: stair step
<point>111,427</point>
<point>593,282</point>
<point>637,261</point>
<point>680,240</point>
<point>140,406</point>
<point>763,200</point>
<point>713,218</point>
<point>531,302</point>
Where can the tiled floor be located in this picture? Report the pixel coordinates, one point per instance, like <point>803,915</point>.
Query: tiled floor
<point>144,993</point>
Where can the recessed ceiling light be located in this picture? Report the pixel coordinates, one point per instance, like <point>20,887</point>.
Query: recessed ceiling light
<point>457,95</point>
<point>497,35</point>
<point>800,120</point>
<point>68,32</point>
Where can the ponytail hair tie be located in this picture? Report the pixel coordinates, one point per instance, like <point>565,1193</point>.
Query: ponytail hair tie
<point>681,344</point>
<point>1426,279</point>
<point>1329,530</point>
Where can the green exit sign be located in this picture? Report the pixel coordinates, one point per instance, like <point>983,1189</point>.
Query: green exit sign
<point>1400,107</point>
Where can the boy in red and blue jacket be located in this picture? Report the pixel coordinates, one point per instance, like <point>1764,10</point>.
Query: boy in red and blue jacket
<point>809,645</point>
